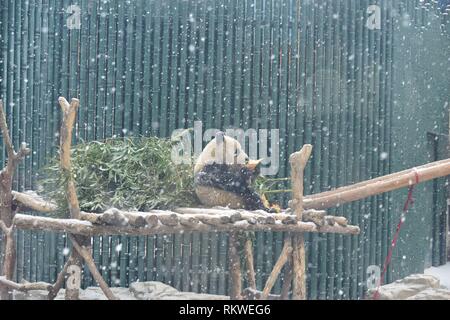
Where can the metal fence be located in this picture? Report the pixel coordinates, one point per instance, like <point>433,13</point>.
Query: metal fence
<point>363,81</point>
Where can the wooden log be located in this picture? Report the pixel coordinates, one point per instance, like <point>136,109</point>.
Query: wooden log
<point>86,254</point>
<point>216,220</point>
<point>120,218</point>
<point>391,176</point>
<point>235,267</point>
<point>332,220</point>
<point>7,211</point>
<point>68,121</point>
<point>151,220</point>
<point>10,252</point>
<point>251,276</point>
<point>287,281</point>
<point>69,111</point>
<point>33,202</point>
<point>206,211</point>
<point>378,186</point>
<point>169,219</point>
<point>93,218</point>
<point>236,216</point>
<point>113,217</point>
<point>284,256</point>
<point>60,279</point>
<point>289,220</point>
<point>318,217</point>
<point>134,219</point>
<point>253,294</point>
<point>85,228</point>
<point>299,268</point>
<point>24,287</point>
<point>190,221</point>
<point>217,217</point>
<point>298,162</point>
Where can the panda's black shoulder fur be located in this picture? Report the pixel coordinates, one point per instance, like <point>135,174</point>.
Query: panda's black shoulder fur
<point>232,178</point>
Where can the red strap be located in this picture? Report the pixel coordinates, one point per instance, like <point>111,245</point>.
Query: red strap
<point>409,201</point>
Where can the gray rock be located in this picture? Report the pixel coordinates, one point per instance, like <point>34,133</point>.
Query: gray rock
<point>138,291</point>
<point>31,295</point>
<point>95,293</point>
<point>153,290</point>
<point>408,287</point>
<point>432,294</point>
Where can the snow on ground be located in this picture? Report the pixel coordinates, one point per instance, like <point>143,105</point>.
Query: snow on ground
<point>442,272</point>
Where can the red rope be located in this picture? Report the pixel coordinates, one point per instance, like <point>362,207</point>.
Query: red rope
<point>409,201</point>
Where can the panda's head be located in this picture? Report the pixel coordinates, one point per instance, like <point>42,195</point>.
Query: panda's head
<point>224,150</point>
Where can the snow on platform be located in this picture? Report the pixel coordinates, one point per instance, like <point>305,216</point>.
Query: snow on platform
<point>442,272</point>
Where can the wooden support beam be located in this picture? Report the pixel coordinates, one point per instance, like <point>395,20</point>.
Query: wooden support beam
<point>24,287</point>
<point>31,201</point>
<point>251,277</point>
<point>69,111</point>
<point>86,228</point>
<point>59,280</point>
<point>378,185</point>
<point>287,281</point>
<point>253,294</point>
<point>7,211</point>
<point>68,121</point>
<point>298,162</point>
<point>235,267</point>
<point>86,254</point>
<point>284,257</point>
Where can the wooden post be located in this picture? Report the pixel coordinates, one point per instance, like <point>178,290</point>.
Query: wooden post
<point>82,244</point>
<point>287,281</point>
<point>7,211</point>
<point>73,280</point>
<point>284,257</point>
<point>86,254</point>
<point>235,267</point>
<point>298,162</point>
<point>249,264</point>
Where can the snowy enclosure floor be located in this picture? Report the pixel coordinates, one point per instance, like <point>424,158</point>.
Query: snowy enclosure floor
<point>442,272</point>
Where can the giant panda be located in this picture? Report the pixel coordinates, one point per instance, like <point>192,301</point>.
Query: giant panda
<point>223,176</point>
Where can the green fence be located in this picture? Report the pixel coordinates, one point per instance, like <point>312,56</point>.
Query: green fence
<point>370,100</point>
